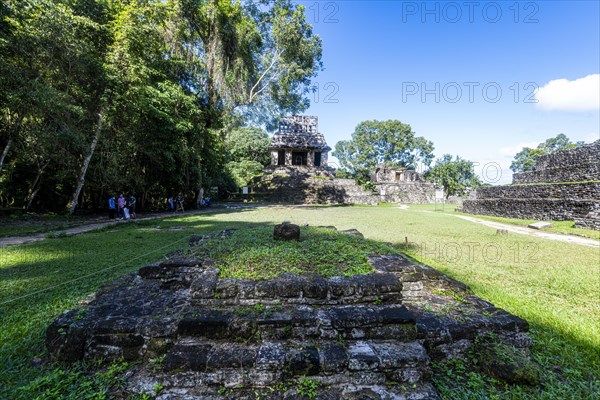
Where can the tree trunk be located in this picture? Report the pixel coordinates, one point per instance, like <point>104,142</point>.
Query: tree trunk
<point>5,152</point>
<point>86,162</point>
<point>35,188</point>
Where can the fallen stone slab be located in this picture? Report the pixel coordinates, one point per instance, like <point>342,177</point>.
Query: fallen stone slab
<point>540,225</point>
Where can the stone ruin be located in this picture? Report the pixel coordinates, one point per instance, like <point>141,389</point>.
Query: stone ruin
<point>370,336</point>
<point>402,186</point>
<point>299,143</point>
<point>299,173</point>
<point>563,186</point>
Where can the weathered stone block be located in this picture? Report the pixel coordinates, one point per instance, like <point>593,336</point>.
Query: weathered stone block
<point>226,289</point>
<point>393,355</point>
<point>246,288</point>
<point>540,225</point>
<point>315,287</point>
<point>341,286</point>
<point>333,357</point>
<point>65,338</point>
<point>304,361</point>
<point>271,356</point>
<point>353,232</point>
<point>289,285</point>
<point>286,231</point>
<point>361,357</point>
<point>205,285</point>
<point>187,358</point>
<point>203,322</point>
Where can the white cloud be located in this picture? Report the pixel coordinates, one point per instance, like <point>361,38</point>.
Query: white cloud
<point>510,151</point>
<point>581,94</point>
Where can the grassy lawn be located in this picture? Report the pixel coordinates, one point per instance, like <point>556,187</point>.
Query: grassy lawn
<point>30,224</point>
<point>564,227</point>
<point>252,253</point>
<point>554,285</point>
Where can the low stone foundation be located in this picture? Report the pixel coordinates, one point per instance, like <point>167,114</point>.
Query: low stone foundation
<point>367,336</point>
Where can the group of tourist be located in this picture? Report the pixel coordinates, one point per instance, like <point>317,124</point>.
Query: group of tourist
<point>124,207</point>
<point>177,204</point>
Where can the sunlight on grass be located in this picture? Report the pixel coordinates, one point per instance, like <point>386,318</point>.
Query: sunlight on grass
<point>253,254</point>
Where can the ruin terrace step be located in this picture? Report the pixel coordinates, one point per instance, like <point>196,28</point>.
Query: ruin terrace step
<point>300,322</point>
<point>424,391</point>
<point>287,288</point>
<point>271,362</point>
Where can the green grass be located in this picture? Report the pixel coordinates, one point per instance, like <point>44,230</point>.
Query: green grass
<point>253,254</point>
<point>553,285</point>
<point>31,224</point>
<point>564,227</point>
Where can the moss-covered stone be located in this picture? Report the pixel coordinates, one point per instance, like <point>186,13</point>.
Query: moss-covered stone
<point>505,362</point>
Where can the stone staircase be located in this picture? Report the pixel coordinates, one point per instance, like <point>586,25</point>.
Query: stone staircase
<point>359,337</point>
<point>300,188</point>
<point>258,334</point>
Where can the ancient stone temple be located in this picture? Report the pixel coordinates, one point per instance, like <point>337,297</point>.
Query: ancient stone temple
<point>299,173</point>
<point>563,186</point>
<point>298,143</point>
<point>402,186</point>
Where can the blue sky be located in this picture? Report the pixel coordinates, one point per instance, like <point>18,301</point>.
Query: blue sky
<point>463,74</point>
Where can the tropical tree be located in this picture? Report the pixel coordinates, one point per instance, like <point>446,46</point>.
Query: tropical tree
<point>247,151</point>
<point>456,176</point>
<point>391,142</point>
<point>525,159</point>
<point>101,95</point>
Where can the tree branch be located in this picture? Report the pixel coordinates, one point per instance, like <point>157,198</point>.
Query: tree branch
<point>253,94</point>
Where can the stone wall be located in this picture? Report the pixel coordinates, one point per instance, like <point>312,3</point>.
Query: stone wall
<point>532,208</point>
<point>415,192</point>
<point>575,165</point>
<point>564,186</point>
<point>567,191</point>
<point>298,188</point>
<point>309,186</point>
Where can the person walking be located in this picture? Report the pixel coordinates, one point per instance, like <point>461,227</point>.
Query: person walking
<point>111,207</point>
<point>132,201</point>
<point>171,204</point>
<point>179,201</point>
<point>121,206</point>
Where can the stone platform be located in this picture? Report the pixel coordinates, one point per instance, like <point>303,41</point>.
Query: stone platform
<point>370,336</point>
<point>563,186</point>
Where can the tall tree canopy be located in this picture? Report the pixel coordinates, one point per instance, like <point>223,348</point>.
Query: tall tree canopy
<point>456,175</point>
<point>247,152</point>
<point>98,96</point>
<point>525,159</point>
<point>383,142</point>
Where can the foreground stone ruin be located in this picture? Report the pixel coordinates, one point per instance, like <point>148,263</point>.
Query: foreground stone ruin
<point>368,336</point>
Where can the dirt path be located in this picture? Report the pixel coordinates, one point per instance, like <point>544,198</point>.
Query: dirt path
<point>87,227</point>
<point>531,232</point>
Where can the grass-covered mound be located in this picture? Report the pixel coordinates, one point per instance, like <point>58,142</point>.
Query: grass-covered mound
<point>252,253</point>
